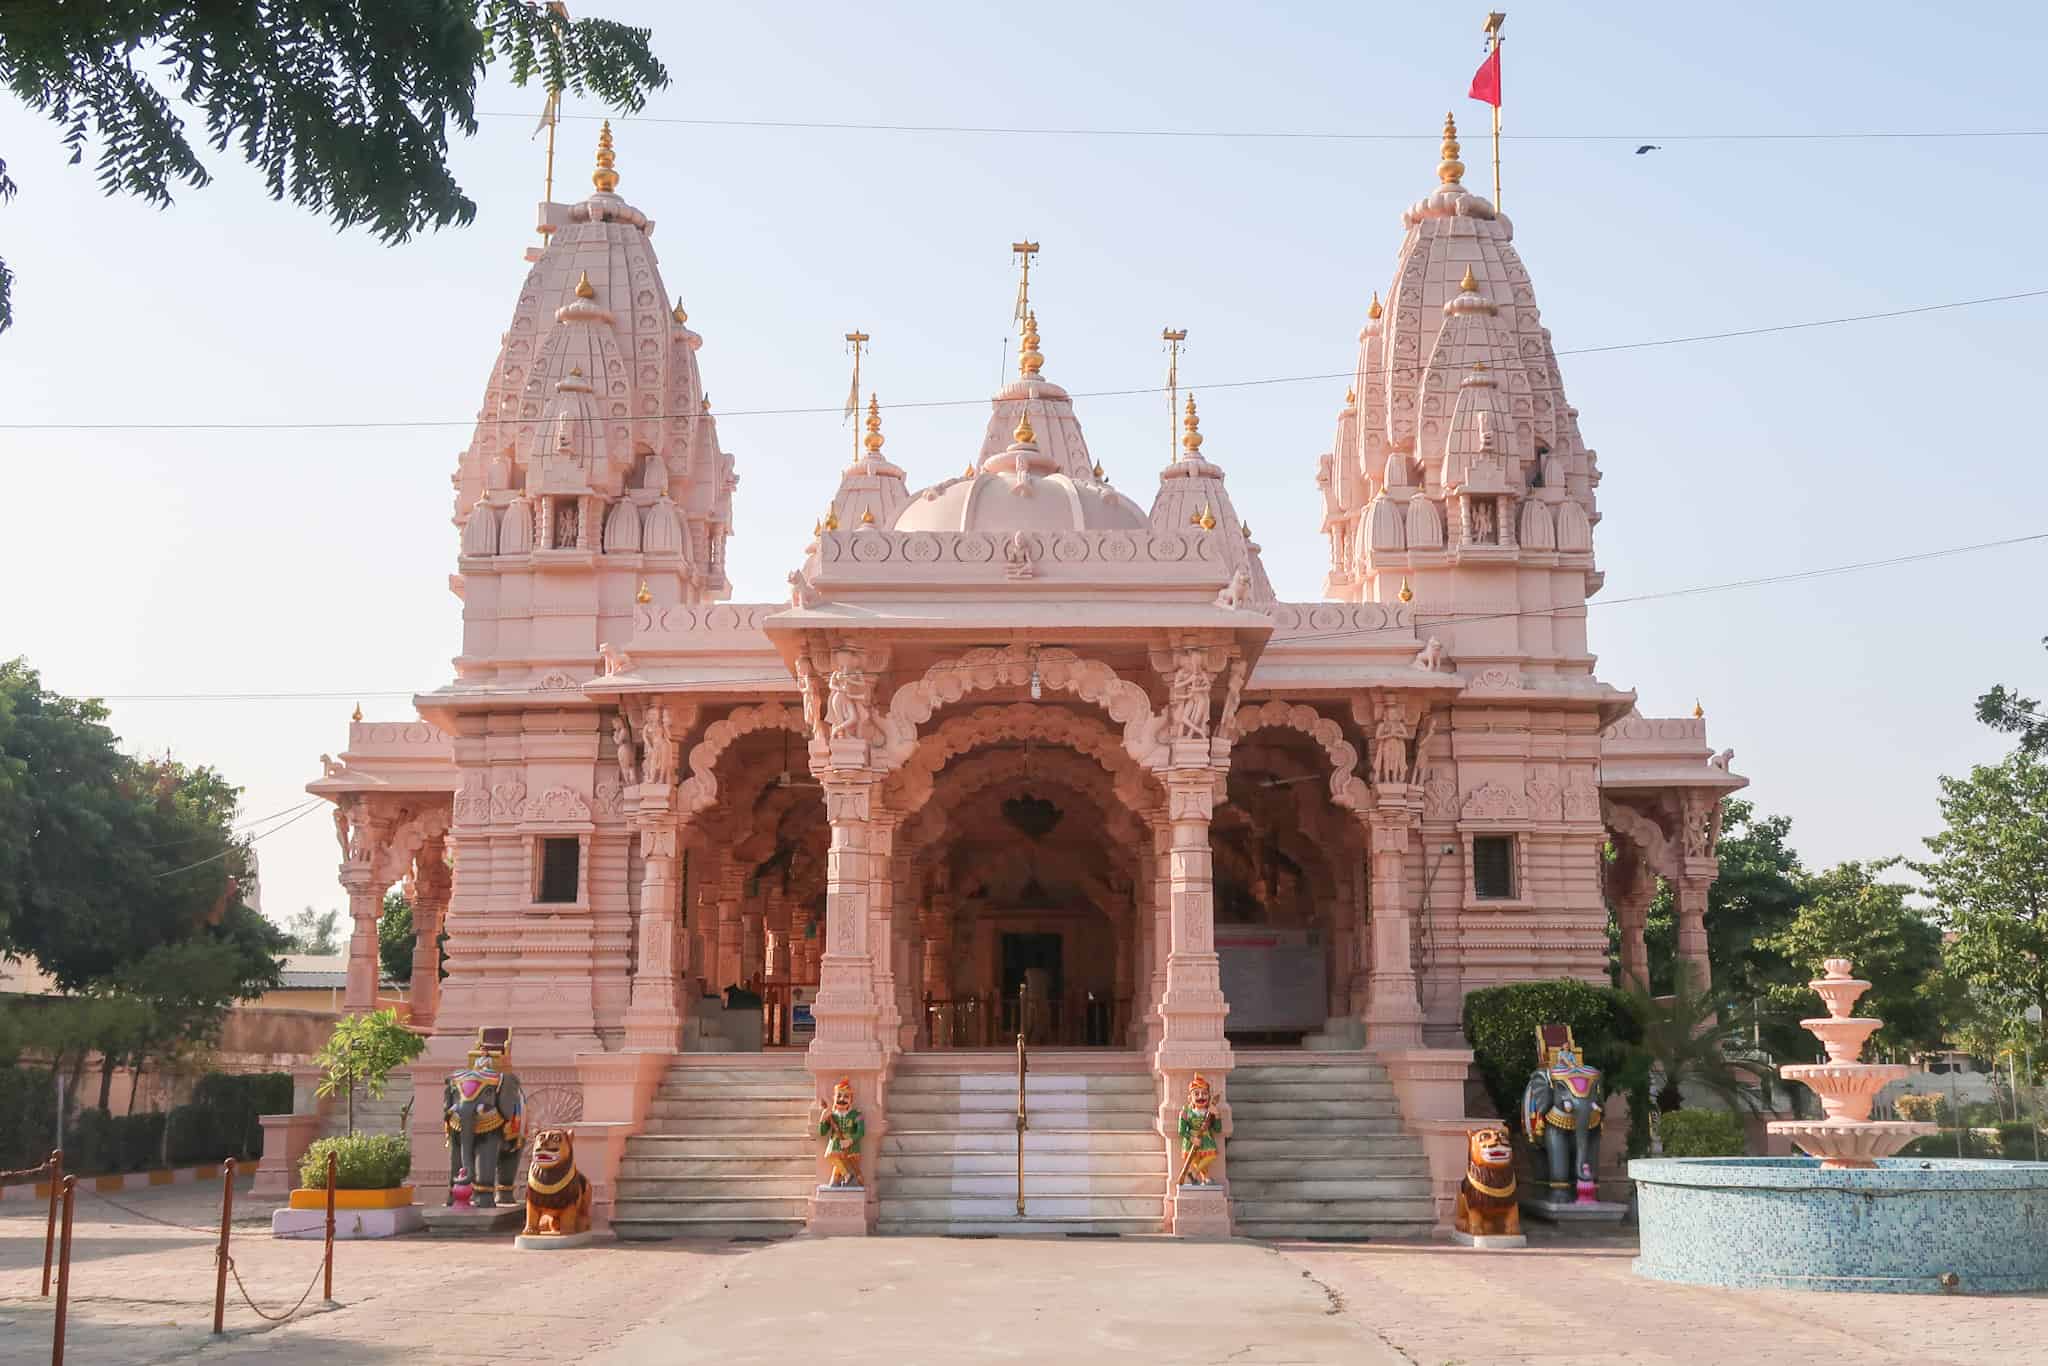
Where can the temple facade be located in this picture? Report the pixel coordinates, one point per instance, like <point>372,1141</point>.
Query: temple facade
<point>1036,750</point>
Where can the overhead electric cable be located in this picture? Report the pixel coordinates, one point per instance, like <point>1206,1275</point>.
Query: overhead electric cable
<point>216,858</point>
<point>1148,390</point>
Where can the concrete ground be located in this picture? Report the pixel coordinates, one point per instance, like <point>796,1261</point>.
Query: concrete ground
<point>142,1287</point>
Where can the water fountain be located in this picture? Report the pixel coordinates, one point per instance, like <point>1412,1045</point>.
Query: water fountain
<point>1850,1215</point>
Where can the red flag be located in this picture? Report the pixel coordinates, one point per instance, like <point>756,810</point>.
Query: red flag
<point>1486,80</point>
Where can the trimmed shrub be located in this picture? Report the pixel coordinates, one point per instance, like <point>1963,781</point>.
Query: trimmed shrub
<point>2016,1140</point>
<point>137,1141</point>
<point>362,1162</point>
<point>1943,1144</point>
<point>232,1102</point>
<point>1923,1109</point>
<point>28,1116</point>
<point>1500,1024</point>
<point>1701,1133</point>
<point>188,1137</point>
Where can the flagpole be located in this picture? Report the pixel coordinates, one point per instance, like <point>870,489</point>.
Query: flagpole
<point>1173,337</point>
<point>858,339</point>
<point>558,13</point>
<point>1494,21</point>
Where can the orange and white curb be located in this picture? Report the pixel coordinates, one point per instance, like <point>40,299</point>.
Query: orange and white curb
<point>109,1185</point>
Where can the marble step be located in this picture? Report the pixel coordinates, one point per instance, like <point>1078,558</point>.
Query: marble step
<point>1035,1160</point>
<point>1363,1186</point>
<point>1295,1111</point>
<point>708,1122</point>
<point>1308,1212</point>
<point>713,1166</point>
<point>1276,1093</point>
<point>900,1185</point>
<point>1135,1084</point>
<point>1005,1141</point>
<point>635,1229</point>
<point>1006,1120</point>
<point>755,1144</point>
<point>775,1206</point>
<point>636,1186</point>
<point>1350,1144</point>
<point>1015,1227</point>
<point>1049,1206</point>
<point>695,1094</point>
<point>1246,1225</point>
<point>1255,1168</point>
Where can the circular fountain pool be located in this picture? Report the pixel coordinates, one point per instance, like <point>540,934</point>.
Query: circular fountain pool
<point>1908,1224</point>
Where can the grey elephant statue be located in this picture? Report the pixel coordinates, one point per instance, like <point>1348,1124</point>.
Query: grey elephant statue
<point>1561,1115</point>
<point>485,1119</point>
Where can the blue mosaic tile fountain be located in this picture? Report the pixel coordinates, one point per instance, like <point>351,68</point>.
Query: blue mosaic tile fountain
<point>1850,1216</point>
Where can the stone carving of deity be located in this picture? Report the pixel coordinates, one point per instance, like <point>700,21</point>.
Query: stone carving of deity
<point>565,523</point>
<point>1702,826</point>
<point>1390,748</point>
<point>622,746</point>
<point>1233,697</point>
<point>814,702</point>
<point>846,703</point>
<point>1484,532</point>
<point>1190,697</point>
<point>341,830</point>
<point>660,744</point>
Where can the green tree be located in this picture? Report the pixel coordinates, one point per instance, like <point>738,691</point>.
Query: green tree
<point>1757,893</point>
<point>1988,881</point>
<point>2004,710</point>
<point>362,1052</point>
<point>1686,1043</point>
<point>395,937</point>
<point>1853,912</point>
<point>343,105</point>
<point>312,931</point>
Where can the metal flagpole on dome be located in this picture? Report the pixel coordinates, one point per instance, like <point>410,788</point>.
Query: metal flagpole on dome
<point>1173,337</point>
<point>550,115</point>
<point>856,339</point>
<point>1494,22</point>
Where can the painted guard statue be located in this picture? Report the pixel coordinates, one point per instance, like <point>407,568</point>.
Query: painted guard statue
<point>1200,1135</point>
<point>842,1128</point>
<point>485,1119</point>
<point>1561,1114</point>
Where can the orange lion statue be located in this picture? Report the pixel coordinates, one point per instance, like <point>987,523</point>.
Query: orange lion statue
<point>1488,1205</point>
<point>557,1195</point>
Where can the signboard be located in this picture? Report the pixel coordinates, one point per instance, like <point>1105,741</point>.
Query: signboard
<point>1274,979</point>
<point>801,1024</point>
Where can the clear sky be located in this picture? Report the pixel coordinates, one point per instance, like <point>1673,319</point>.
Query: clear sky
<point>293,561</point>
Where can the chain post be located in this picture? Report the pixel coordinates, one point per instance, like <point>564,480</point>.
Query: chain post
<point>220,1277</point>
<point>327,1291</point>
<point>63,1277</point>
<point>56,1166</point>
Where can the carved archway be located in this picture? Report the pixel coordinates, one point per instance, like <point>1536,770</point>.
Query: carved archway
<point>910,787</point>
<point>1347,789</point>
<point>970,777</point>
<point>1059,669</point>
<point>699,791</point>
<point>1643,832</point>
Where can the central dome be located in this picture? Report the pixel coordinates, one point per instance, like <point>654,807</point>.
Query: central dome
<point>1021,489</point>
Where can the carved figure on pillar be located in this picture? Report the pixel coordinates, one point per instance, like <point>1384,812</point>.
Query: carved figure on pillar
<point>846,704</point>
<point>341,830</point>
<point>1233,697</point>
<point>842,1129</point>
<point>660,744</point>
<point>813,690</point>
<point>1561,1112</point>
<point>1190,697</point>
<point>1390,746</point>
<point>1200,1135</point>
<point>1702,820</point>
<point>622,748</point>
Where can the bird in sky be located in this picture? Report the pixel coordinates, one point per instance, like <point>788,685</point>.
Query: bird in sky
<point>1648,147</point>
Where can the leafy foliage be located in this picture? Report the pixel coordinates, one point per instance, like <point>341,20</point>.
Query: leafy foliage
<point>2004,710</point>
<point>1756,894</point>
<point>1683,1042</point>
<point>1702,1133</point>
<point>344,106</point>
<point>1501,1022</point>
<point>362,1162</point>
<point>314,931</point>
<point>1988,881</point>
<point>1922,1109</point>
<point>363,1052</point>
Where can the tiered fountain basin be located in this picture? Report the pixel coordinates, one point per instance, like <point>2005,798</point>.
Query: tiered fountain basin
<point>1908,1224</point>
<point>1850,1216</point>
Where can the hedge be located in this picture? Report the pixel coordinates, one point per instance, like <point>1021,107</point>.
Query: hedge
<point>1943,1144</point>
<point>2016,1140</point>
<point>220,1122</point>
<point>28,1116</point>
<point>1500,1024</point>
<point>1701,1133</point>
<point>362,1162</point>
<point>1922,1108</point>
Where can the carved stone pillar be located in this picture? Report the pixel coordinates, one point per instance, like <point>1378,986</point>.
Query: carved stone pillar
<point>1159,914</point>
<point>654,1013</point>
<point>1393,1009</point>
<point>885,941</point>
<point>1192,1008</point>
<point>1123,926</point>
<point>731,890</point>
<point>365,902</point>
<point>1635,886</point>
<point>777,928</point>
<point>803,944</point>
<point>432,884</point>
<point>1691,896</point>
<point>753,940</point>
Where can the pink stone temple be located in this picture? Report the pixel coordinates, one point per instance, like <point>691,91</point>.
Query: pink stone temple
<point>1037,747</point>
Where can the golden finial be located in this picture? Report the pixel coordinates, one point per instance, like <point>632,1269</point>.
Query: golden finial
<point>1098,469</point>
<point>645,595</point>
<point>704,403</point>
<point>1191,429</point>
<point>1373,310</point>
<point>1207,521</point>
<point>575,372</point>
<point>1029,361</point>
<point>1451,170</point>
<point>679,315</point>
<point>970,471</point>
<point>874,437</point>
<point>867,516</point>
<point>1698,712</point>
<point>1350,396</point>
<point>1024,436</point>
<point>831,519</point>
<point>818,527</point>
<point>1246,528</point>
<point>1469,284</point>
<point>357,715</point>
<point>606,176</point>
<point>1405,594</point>
<point>583,289</point>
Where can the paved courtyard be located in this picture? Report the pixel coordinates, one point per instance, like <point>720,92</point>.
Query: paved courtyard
<point>142,1293</point>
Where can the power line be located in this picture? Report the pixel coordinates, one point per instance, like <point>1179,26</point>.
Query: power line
<point>1279,134</point>
<point>216,858</point>
<point>838,409</point>
<point>1695,590</point>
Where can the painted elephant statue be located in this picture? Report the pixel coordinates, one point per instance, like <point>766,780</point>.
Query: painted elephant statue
<point>485,1121</point>
<point>1561,1115</point>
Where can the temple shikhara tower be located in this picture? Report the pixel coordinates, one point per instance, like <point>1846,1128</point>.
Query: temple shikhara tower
<point>1035,749</point>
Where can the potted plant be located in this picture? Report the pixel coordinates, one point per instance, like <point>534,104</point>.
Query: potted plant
<point>371,1197</point>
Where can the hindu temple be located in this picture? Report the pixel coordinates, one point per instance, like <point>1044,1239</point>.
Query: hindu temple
<point>1036,752</point>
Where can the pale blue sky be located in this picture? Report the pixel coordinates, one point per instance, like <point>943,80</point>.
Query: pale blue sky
<point>290,561</point>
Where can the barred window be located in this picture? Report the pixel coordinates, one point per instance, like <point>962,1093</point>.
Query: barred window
<point>1493,866</point>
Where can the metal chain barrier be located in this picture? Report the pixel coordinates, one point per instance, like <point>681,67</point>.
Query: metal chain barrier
<point>41,1168</point>
<point>143,1214</point>
<point>235,1271</point>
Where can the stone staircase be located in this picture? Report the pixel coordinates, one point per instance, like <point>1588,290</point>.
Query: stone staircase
<point>381,1115</point>
<point>1317,1151</point>
<point>1093,1163</point>
<point>727,1153</point>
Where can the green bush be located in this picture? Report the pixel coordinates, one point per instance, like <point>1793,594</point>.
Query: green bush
<point>1500,1024</point>
<point>28,1116</point>
<point>2016,1140</point>
<point>1702,1133</point>
<point>1923,1109</point>
<point>138,1141</point>
<point>232,1102</point>
<point>1943,1144</point>
<point>363,1162</point>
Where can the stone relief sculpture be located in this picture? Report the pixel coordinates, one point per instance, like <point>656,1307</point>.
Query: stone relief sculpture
<point>1017,557</point>
<point>1238,593</point>
<point>1390,748</point>
<point>659,743</point>
<point>1233,697</point>
<point>612,661</point>
<point>622,748</point>
<point>814,701</point>
<point>842,1129</point>
<point>341,830</point>
<point>1430,658</point>
<point>1702,826</point>
<point>846,703</point>
<point>1190,697</point>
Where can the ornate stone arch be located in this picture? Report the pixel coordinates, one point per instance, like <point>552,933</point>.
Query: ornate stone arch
<point>973,776</point>
<point>700,790</point>
<point>910,787</point>
<point>1644,833</point>
<point>1346,788</point>
<point>1011,666</point>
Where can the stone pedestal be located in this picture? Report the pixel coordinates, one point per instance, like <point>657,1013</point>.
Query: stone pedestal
<point>1200,1212</point>
<point>839,1212</point>
<point>552,1242</point>
<point>348,1223</point>
<point>1489,1242</point>
<point>285,1140</point>
<point>1574,1211</point>
<point>444,1221</point>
